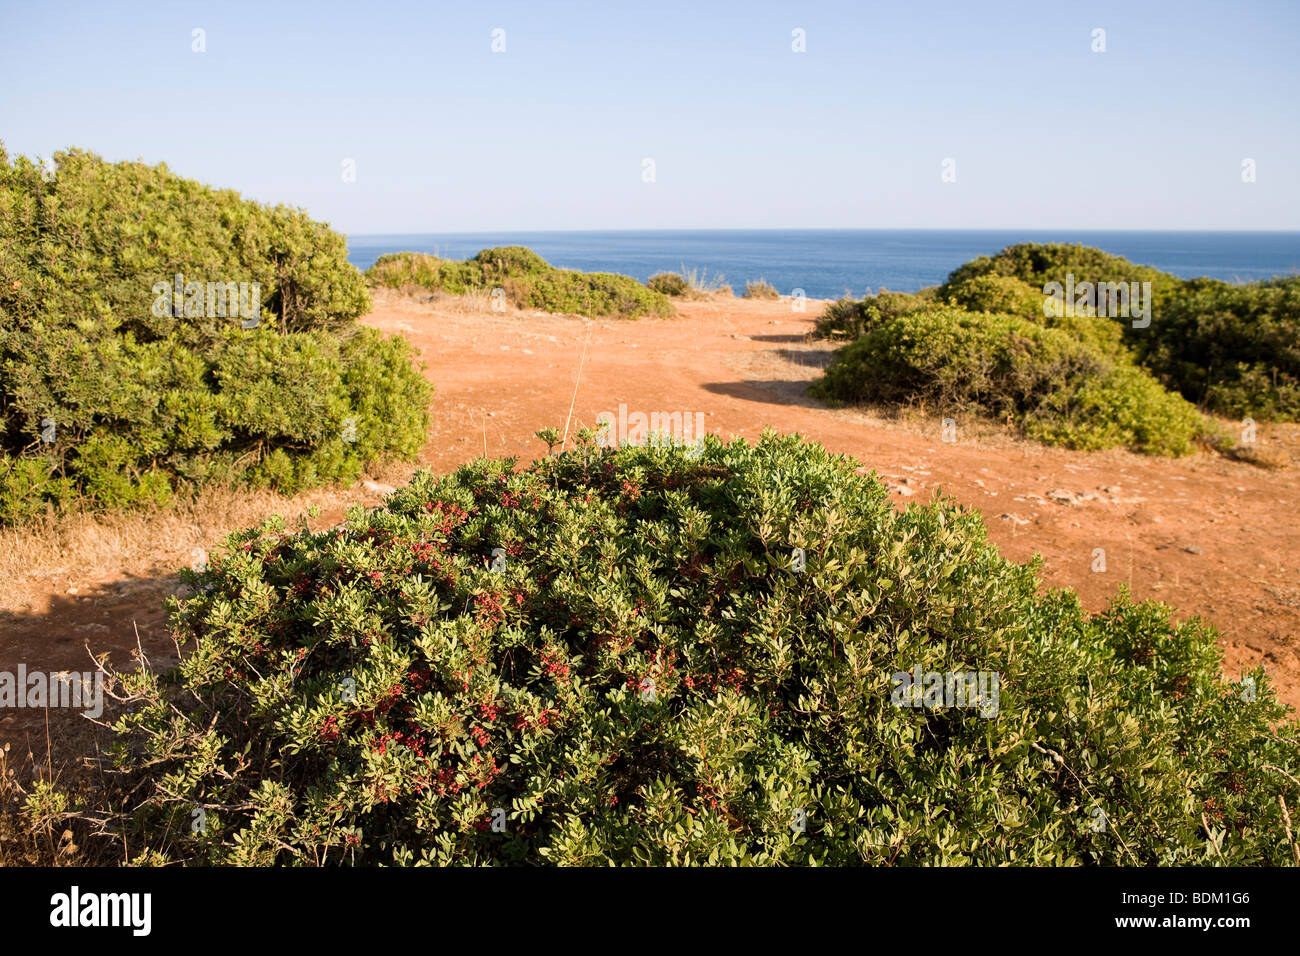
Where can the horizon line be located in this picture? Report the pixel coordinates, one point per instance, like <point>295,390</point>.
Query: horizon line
<point>1085,229</point>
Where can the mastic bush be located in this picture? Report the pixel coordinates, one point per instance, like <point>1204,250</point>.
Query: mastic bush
<point>87,244</point>
<point>525,279</point>
<point>619,657</point>
<point>851,318</point>
<point>1233,348</point>
<point>996,293</point>
<point>110,401</point>
<point>1052,382</point>
<point>669,283</point>
<point>399,270</point>
<point>1037,264</point>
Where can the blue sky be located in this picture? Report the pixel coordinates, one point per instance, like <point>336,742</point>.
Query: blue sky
<point>744,133</point>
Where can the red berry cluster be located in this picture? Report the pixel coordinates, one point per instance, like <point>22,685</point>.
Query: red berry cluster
<point>733,678</point>
<point>553,665</point>
<point>488,610</point>
<point>329,730</point>
<point>541,722</point>
<point>412,741</point>
<point>450,515</point>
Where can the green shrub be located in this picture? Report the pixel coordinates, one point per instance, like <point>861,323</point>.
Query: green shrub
<point>510,262</point>
<point>526,280</point>
<point>593,294</point>
<point>615,657</point>
<point>852,318</point>
<point>112,398</point>
<point>669,283</point>
<point>1037,264</point>
<point>1233,348</point>
<point>89,244</point>
<point>1055,385</point>
<point>397,270</point>
<point>761,289</point>
<point>1126,408</point>
<point>996,293</point>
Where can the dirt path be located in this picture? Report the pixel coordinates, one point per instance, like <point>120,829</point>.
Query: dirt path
<point>1208,536</point>
<point>1205,535</point>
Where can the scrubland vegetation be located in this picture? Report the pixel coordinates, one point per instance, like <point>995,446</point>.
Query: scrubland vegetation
<point>525,280</point>
<point>760,289</point>
<point>984,342</point>
<point>690,283</point>
<point>646,673</point>
<point>115,395</point>
<point>626,656</point>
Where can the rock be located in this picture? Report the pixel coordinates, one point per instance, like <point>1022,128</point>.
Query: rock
<point>377,488</point>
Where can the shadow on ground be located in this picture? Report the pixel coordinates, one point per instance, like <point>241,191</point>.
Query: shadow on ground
<point>117,619</point>
<point>772,392</point>
<point>787,338</point>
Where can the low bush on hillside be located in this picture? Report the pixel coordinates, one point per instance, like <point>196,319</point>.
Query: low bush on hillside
<point>693,283</point>
<point>760,289</point>
<point>1037,264</point>
<point>669,283</point>
<point>850,318</point>
<point>116,388</point>
<point>619,656</point>
<point>1055,385</point>
<point>1232,348</point>
<point>525,280</point>
<point>995,293</point>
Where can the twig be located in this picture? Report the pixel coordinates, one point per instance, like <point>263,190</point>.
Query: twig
<point>1286,820</point>
<point>1210,833</point>
<point>576,383</point>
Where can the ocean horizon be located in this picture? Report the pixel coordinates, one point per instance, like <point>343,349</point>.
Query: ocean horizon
<point>829,263</point>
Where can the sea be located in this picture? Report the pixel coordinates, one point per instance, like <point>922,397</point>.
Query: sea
<point>829,263</point>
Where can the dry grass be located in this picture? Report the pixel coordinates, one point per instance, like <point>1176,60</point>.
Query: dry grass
<point>83,546</point>
<point>760,288</point>
<point>479,302</point>
<point>703,286</point>
<point>30,839</point>
<point>1277,447</point>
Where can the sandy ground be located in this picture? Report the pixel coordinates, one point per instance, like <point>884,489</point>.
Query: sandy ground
<point>1208,536</point>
